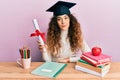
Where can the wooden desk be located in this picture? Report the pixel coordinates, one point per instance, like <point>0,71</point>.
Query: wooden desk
<point>12,71</point>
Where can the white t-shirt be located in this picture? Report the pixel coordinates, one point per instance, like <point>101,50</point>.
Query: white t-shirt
<point>65,50</point>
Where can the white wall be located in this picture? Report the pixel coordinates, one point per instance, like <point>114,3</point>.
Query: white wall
<point>99,21</point>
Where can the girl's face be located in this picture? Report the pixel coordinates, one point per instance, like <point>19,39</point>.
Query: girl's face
<point>63,22</point>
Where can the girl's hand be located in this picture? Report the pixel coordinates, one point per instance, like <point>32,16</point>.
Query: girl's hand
<point>66,60</point>
<point>41,47</point>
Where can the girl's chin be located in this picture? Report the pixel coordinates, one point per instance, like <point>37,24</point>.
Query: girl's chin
<point>64,29</point>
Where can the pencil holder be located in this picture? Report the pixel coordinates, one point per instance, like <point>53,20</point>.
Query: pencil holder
<point>24,62</point>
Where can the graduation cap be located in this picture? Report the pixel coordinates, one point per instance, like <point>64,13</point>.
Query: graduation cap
<point>61,8</point>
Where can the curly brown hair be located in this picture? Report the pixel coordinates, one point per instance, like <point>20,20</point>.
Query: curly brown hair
<point>54,32</point>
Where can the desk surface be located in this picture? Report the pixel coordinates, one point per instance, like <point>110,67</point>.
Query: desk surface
<point>12,71</point>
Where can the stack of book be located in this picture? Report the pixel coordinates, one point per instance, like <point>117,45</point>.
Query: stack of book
<point>96,65</point>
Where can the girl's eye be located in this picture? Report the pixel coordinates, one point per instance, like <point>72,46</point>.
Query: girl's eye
<point>58,19</point>
<point>66,18</point>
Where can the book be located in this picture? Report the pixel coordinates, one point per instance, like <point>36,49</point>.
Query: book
<point>49,69</point>
<point>86,70</point>
<point>93,62</point>
<point>87,65</point>
<point>101,58</point>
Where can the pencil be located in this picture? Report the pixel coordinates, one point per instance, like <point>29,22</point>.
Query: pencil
<point>24,54</point>
<point>21,52</point>
<point>28,53</point>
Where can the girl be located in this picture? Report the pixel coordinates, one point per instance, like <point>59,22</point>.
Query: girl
<point>64,37</point>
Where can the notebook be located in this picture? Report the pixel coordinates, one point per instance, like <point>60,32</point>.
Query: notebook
<point>93,62</point>
<point>91,71</point>
<point>101,58</point>
<point>49,69</point>
<point>98,69</point>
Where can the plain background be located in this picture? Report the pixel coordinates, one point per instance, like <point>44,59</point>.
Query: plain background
<point>99,21</point>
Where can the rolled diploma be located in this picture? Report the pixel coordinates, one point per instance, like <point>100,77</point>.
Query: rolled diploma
<point>37,28</point>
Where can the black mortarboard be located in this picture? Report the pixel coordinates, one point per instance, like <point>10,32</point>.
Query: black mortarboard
<point>61,8</point>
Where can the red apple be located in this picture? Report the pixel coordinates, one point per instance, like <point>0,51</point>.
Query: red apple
<point>96,51</point>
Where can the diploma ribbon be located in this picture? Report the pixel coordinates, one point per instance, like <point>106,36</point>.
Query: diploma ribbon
<point>38,33</point>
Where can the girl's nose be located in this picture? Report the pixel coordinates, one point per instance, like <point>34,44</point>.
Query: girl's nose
<point>63,21</point>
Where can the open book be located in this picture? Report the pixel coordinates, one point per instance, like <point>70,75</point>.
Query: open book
<point>49,69</point>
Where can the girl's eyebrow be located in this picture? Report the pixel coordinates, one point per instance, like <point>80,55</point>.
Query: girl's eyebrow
<point>58,17</point>
<point>61,17</point>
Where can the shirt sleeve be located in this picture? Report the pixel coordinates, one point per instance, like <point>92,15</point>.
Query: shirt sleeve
<point>46,56</point>
<point>76,57</point>
<point>85,47</point>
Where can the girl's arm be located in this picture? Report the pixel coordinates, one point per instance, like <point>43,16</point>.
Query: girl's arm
<point>85,47</point>
<point>45,55</point>
<point>76,57</point>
